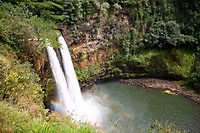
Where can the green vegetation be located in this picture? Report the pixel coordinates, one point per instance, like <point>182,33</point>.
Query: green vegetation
<point>68,11</point>
<point>162,34</point>
<point>165,26</point>
<point>19,28</point>
<point>18,80</point>
<point>177,63</point>
<point>15,120</point>
<point>162,41</point>
<point>21,101</point>
<point>166,127</point>
<point>88,77</point>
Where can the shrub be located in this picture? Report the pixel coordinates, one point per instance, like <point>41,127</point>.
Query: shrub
<point>20,29</point>
<point>18,81</point>
<point>162,34</point>
<point>166,127</point>
<point>195,76</point>
<point>104,7</point>
<point>177,62</point>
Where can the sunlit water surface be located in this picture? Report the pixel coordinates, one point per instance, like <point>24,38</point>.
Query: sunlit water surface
<point>132,110</point>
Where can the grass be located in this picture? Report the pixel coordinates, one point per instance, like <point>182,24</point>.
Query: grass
<point>13,120</point>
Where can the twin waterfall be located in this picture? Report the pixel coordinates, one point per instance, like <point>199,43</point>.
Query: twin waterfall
<point>68,90</point>
<point>69,99</point>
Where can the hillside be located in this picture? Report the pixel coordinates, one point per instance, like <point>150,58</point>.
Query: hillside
<point>107,39</point>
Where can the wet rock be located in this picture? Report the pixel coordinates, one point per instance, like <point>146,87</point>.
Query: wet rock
<point>152,83</point>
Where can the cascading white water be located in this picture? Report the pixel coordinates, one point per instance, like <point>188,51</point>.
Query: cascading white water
<point>61,84</point>
<point>70,74</point>
<point>69,98</point>
<point>68,89</point>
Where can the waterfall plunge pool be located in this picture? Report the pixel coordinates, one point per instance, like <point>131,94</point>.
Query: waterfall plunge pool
<point>133,110</point>
<point>117,107</point>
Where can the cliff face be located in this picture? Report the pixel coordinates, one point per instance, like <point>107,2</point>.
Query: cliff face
<point>123,40</point>
<point>113,40</point>
<point>36,55</point>
<point>91,40</point>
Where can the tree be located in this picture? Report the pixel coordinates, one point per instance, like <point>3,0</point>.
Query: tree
<point>165,34</point>
<point>18,27</point>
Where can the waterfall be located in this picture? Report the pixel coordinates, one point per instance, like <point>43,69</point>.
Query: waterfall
<point>70,74</point>
<point>61,84</point>
<point>69,99</point>
<point>68,90</point>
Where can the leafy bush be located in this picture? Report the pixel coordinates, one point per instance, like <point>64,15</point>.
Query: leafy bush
<point>177,62</point>
<point>117,6</point>
<point>19,28</point>
<point>190,17</point>
<point>166,127</point>
<point>195,76</point>
<point>69,11</point>
<point>104,7</point>
<point>19,81</point>
<point>123,41</point>
<point>162,34</point>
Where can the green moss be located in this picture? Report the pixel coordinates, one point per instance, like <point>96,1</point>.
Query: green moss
<point>183,62</point>
<point>175,62</point>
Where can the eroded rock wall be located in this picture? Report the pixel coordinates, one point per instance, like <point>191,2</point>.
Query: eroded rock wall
<point>91,39</point>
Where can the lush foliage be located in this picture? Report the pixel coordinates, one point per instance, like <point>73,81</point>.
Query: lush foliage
<point>161,24</point>
<point>176,63</point>
<point>18,80</point>
<point>166,127</point>
<point>195,76</point>
<point>158,28</point>
<point>15,120</point>
<point>19,28</point>
<point>190,16</point>
<point>162,34</point>
<point>21,96</point>
<point>69,11</point>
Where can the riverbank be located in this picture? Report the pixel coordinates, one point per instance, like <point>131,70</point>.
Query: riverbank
<point>160,84</point>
